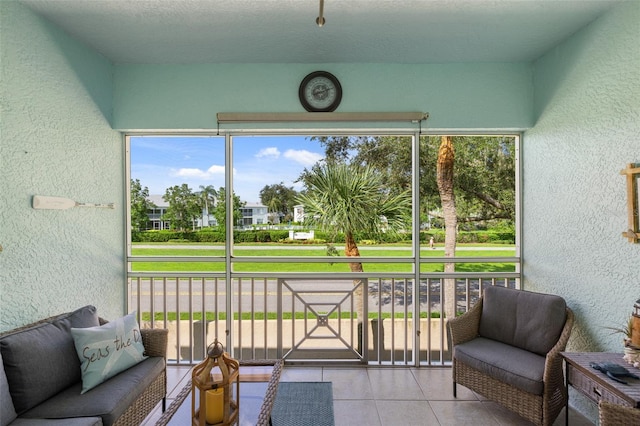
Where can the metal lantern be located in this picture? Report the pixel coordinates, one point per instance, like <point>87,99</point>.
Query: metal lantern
<point>215,385</point>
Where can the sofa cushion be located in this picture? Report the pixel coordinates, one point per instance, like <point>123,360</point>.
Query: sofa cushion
<point>78,421</point>
<point>109,400</point>
<point>41,360</point>
<point>517,367</point>
<point>527,320</point>
<point>106,350</point>
<point>7,412</point>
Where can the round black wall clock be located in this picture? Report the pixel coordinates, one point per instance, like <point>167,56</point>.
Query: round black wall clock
<point>320,91</point>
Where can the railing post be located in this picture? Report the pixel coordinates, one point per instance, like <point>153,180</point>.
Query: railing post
<point>279,317</point>
<point>365,313</point>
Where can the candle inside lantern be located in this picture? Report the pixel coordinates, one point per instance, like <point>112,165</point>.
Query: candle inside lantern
<point>214,412</point>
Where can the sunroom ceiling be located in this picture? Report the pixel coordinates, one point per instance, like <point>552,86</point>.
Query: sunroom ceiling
<point>356,31</point>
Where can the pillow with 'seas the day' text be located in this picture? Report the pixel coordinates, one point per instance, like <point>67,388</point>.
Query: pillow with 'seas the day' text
<point>107,350</point>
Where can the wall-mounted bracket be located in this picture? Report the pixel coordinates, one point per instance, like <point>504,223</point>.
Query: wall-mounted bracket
<point>632,173</point>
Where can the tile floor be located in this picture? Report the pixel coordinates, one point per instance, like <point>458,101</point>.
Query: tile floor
<point>391,397</point>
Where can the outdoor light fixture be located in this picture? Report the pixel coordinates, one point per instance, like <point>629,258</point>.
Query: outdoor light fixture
<point>320,19</point>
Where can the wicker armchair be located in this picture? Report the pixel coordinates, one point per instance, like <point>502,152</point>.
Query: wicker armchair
<point>617,415</point>
<point>541,406</point>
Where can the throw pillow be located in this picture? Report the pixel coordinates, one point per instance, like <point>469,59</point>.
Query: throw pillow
<point>106,350</point>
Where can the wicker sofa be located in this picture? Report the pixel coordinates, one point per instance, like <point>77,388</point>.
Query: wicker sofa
<point>41,379</point>
<point>507,348</point>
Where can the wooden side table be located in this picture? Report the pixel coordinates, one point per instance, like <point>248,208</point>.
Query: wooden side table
<point>596,385</point>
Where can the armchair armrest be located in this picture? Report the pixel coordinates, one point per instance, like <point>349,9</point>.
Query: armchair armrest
<point>155,341</point>
<point>553,374</point>
<point>466,326</point>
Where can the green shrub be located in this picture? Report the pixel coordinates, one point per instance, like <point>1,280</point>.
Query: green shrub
<point>326,236</point>
<point>278,235</point>
<point>211,236</point>
<point>165,236</point>
<point>244,236</point>
<point>502,235</point>
<point>263,236</point>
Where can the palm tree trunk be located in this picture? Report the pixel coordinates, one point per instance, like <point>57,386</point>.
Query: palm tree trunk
<point>446,157</point>
<point>351,250</point>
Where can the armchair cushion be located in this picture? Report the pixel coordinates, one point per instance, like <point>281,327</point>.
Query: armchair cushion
<point>41,360</point>
<point>526,320</point>
<point>517,367</point>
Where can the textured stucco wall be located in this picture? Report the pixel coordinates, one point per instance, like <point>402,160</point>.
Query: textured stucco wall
<point>56,139</point>
<point>587,102</point>
<point>463,96</point>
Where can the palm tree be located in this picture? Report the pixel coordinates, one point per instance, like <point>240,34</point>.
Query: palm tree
<point>351,199</point>
<point>274,208</point>
<point>207,196</point>
<point>444,173</point>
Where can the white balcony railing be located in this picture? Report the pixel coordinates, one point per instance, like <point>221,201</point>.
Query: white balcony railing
<point>307,318</point>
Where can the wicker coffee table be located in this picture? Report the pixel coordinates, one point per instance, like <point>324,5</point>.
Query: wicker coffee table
<point>258,386</point>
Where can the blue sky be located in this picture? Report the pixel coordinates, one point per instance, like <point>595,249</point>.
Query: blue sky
<point>163,161</point>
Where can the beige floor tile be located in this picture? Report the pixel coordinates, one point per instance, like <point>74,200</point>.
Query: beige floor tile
<point>462,413</point>
<point>437,385</point>
<point>349,383</point>
<point>356,413</point>
<point>406,413</point>
<point>394,383</point>
<point>301,374</point>
<point>504,416</point>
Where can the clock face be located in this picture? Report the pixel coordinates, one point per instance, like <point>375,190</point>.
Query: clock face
<point>320,91</point>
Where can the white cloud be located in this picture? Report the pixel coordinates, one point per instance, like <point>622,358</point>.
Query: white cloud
<point>195,173</point>
<point>302,156</point>
<point>191,173</point>
<point>216,170</point>
<point>272,152</point>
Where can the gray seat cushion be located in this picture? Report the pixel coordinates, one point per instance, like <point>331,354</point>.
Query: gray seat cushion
<point>40,361</point>
<point>109,400</point>
<point>526,320</point>
<point>79,421</point>
<point>517,367</point>
<point>7,412</point>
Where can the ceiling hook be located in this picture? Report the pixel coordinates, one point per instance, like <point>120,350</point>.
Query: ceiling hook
<point>320,19</point>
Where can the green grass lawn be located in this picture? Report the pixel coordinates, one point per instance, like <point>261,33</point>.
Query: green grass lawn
<point>292,250</point>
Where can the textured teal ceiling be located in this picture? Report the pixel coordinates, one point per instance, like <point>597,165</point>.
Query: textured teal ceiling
<point>284,31</point>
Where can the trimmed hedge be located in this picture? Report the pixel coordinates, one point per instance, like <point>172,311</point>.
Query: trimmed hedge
<point>163,236</point>
<point>214,236</point>
<point>279,235</point>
